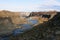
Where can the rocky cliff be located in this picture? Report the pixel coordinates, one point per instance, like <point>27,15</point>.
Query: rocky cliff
<point>14,16</point>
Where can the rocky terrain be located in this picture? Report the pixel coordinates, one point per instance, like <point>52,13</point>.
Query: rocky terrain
<point>48,28</point>
<point>14,16</point>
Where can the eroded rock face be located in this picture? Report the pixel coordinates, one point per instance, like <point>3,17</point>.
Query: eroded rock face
<point>14,16</point>
<point>42,16</point>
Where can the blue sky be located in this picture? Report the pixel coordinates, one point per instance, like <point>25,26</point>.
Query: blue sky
<point>30,5</point>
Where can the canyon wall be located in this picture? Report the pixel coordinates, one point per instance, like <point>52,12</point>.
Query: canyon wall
<point>14,16</point>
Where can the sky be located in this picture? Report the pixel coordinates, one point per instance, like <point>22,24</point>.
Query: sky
<point>30,5</point>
